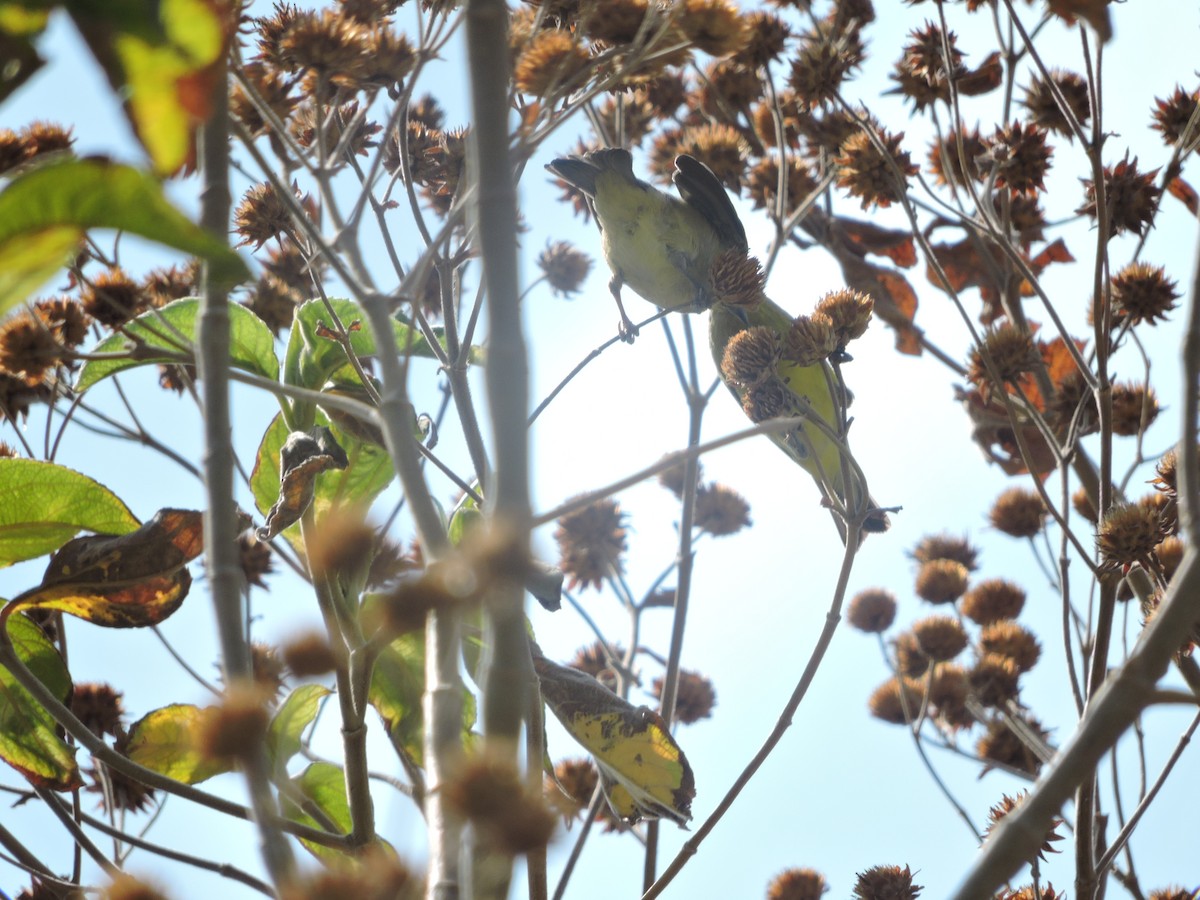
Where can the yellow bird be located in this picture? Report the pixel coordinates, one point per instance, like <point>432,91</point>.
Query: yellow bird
<point>673,251</point>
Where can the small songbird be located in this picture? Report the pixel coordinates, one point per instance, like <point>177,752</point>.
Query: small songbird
<point>661,246</point>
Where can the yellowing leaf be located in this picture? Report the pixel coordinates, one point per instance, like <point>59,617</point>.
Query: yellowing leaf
<point>642,770</point>
<point>165,740</point>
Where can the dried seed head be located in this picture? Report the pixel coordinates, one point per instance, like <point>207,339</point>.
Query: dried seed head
<point>1007,638</point>
<point>1142,293</point>
<point>949,166</point>
<point>719,146</point>
<point>721,511</point>
<point>993,600</point>
<point>237,726</point>
<point>729,84</point>
<point>1033,892</point>
<point>768,400</point>
<point>1131,196</point>
<point>112,298</point>
<point>911,660</point>
<point>570,791</point>
<point>714,26</point>
<point>1170,554</point>
<point>28,348</point>
<point>872,610</point>
<point>1082,505</point>
<point>12,150</point>
<point>325,42</point>
<point>551,62</point>
<point>390,58</point>
<point>1018,512</point>
<point>1171,116</point>
<point>672,478</point>
<point>750,356</point>
<point>945,546</point>
<point>125,793</point>
<point>1020,156</point>
<point>767,36</point>
<point>825,133</point>
<point>948,692</point>
<point>941,638</point>
<point>1074,406</point>
<point>941,581</point>
<point>591,542</point>
<point>45,138</point>
<point>737,279</point>
<point>999,745</point>
<point>16,397</point>
<point>762,183</point>
<point>810,339</point>
<point>125,887</point>
<point>1044,110</point>
<point>273,302</point>
<point>164,284</point>
<point>616,22</point>
<point>1012,355</point>
<point>849,311</point>
<point>824,61</point>
<point>99,707</point>
<point>595,659</point>
<point>877,175</point>
<point>921,72</point>
<point>310,654</point>
<point>890,882</point>
<point>797,884</point>
<point>1172,893</point>
<point>695,696</point>
<point>887,705</point>
<point>993,680</point>
<point>491,793</point>
<point>1026,218</point>
<point>261,216</point>
<point>1006,805</point>
<point>376,874</point>
<point>1127,535</point>
<point>1135,406</point>
<point>1166,474</point>
<point>564,266</point>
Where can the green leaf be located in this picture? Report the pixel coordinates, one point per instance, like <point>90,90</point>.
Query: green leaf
<point>45,212</point>
<point>324,786</point>
<point>298,711</point>
<point>369,472</point>
<point>173,329</point>
<point>397,684</point>
<point>311,359</point>
<point>165,740</point>
<point>44,505</point>
<point>29,740</point>
<point>161,57</point>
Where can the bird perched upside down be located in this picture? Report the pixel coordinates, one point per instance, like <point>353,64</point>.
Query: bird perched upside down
<point>690,253</point>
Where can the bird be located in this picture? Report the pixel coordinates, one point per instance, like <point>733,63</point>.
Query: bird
<point>659,245</point>
<point>672,252</point>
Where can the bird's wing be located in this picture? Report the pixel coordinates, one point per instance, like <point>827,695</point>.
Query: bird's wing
<point>703,191</point>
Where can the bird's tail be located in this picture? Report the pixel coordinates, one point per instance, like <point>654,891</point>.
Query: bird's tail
<point>581,171</point>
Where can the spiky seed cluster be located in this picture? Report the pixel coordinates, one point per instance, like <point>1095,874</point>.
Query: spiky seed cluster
<point>377,874</point>
<point>768,400</point>
<point>1172,893</point>
<point>34,140</point>
<point>993,680</point>
<point>890,882</point>
<point>1142,293</point>
<point>552,59</point>
<point>1170,554</point>
<point>1127,535</point>
<point>125,793</point>
<point>721,511</point>
<point>491,793</point>
<point>729,84</point>
<point>591,542</point>
<point>993,600</point>
<point>1131,196</point>
<point>112,298</point>
<point>1007,638</point>
<point>810,339</point>
<point>714,26</point>
<point>1082,504</point>
<point>267,668</point>
<point>1074,406</point>
<point>750,356</point>
<point>618,22</point>
<point>261,216</point>
<point>827,132</point>
<point>823,62</point>
<point>948,690</point>
<point>167,283</point>
<point>594,659</point>
<point>1018,512</point>
<point>1006,805</point>
<point>766,38</point>
<point>237,726</point>
<point>849,311</point>
<point>672,478</point>
<point>1021,158</point>
<point>28,349</point>
<point>1044,110</point>
<point>887,705</point>
<point>737,279</point>
<point>797,884</point>
<point>946,546</point>
<point>1171,116</point>
<point>719,146</point>
<point>1166,478</point>
<point>877,175</point>
<point>921,72</point>
<point>1026,218</point>
<point>872,610</point>
<point>762,183</point>
<point>99,707</point>
<point>941,638</point>
<point>941,581</point>
<point>1033,892</point>
<point>310,654</point>
<point>1134,407</point>
<point>564,266</point>
<point>949,165</point>
<point>911,660</point>
<point>1001,746</point>
<point>1012,355</point>
<point>578,778</point>
<point>695,697</point>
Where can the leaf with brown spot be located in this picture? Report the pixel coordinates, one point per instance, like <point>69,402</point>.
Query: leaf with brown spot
<point>864,237</point>
<point>304,456</point>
